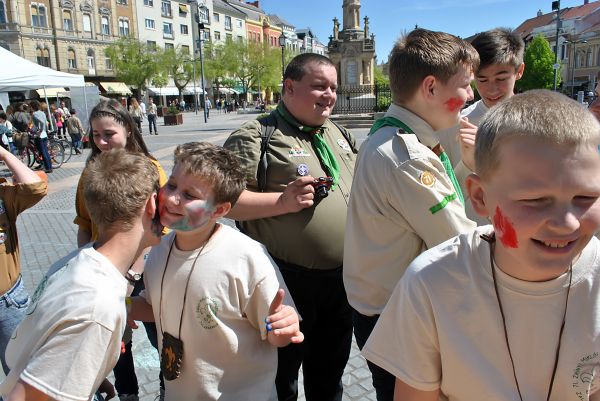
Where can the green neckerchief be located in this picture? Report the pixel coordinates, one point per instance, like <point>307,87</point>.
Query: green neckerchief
<point>394,122</point>
<point>321,147</point>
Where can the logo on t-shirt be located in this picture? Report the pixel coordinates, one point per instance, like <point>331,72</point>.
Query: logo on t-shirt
<point>207,311</point>
<point>586,380</point>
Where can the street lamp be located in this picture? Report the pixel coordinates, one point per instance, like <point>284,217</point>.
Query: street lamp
<point>199,5</point>
<point>574,55</point>
<point>556,7</point>
<point>282,39</point>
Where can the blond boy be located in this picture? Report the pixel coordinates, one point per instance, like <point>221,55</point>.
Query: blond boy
<point>71,337</point>
<point>213,288</point>
<point>509,311</point>
<point>405,198</point>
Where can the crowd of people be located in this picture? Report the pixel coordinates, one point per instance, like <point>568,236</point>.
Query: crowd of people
<point>457,246</point>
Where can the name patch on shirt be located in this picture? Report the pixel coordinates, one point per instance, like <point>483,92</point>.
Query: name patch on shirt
<point>297,151</point>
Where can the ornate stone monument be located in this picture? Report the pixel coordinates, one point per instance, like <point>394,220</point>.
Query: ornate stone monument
<point>352,50</point>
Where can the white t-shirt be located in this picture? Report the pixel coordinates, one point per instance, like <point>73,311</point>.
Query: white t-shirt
<point>70,338</point>
<point>442,327</point>
<point>226,355</point>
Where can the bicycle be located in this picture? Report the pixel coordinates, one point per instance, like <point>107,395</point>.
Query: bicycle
<point>29,154</point>
<point>67,145</point>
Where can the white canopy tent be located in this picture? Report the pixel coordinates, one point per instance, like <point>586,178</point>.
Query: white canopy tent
<point>19,74</point>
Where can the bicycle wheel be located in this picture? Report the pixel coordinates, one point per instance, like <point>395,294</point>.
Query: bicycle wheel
<point>25,156</point>
<point>57,154</point>
<point>68,147</point>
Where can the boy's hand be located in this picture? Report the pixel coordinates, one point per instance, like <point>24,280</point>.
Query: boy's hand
<point>466,137</point>
<point>283,326</point>
<point>298,194</point>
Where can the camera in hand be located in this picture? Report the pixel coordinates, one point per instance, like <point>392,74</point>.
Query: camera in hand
<point>322,185</point>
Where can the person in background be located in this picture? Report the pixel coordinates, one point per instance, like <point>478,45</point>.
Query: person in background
<point>152,116</point>
<point>75,130</point>
<point>136,113</point>
<point>40,131</point>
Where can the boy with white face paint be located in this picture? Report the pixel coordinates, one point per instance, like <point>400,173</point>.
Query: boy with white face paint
<point>208,284</point>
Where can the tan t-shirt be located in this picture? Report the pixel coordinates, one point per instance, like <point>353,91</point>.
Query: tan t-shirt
<point>13,200</point>
<point>402,202</point>
<point>313,237</point>
<point>442,327</point>
<point>226,354</point>
<point>70,338</point>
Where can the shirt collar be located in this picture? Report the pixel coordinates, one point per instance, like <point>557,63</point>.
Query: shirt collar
<point>424,132</point>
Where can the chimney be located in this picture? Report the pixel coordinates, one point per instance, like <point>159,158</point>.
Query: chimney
<point>540,13</point>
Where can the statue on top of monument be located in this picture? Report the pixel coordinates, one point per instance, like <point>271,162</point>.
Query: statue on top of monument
<point>366,26</point>
<point>336,28</point>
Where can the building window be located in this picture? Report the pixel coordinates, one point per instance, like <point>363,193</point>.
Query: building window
<point>588,61</point>
<point>105,26</point>
<point>238,23</point>
<point>2,12</point>
<point>91,61</point>
<point>149,3</point>
<point>217,36</point>
<point>122,2</point>
<point>123,27</point>
<point>108,63</point>
<point>87,23</point>
<point>167,30</point>
<point>165,8</point>
<point>185,49</point>
<point>151,44</point>
<point>205,35</point>
<point>228,22</point>
<point>216,17</point>
<point>240,38</point>
<point>228,37</point>
<point>183,29</point>
<point>203,15</point>
<point>38,16</point>
<point>150,23</point>
<point>71,60</point>
<point>169,46</point>
<point>67,20</point>
<point>183,10</point>
<point>43,57</point>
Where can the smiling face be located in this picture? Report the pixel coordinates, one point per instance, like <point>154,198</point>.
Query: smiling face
<point>543,201</point>
<point>186,202</point>
<point>108,134</point>
<point>311,99</point>
<point>449,98</point>
<point>497,82</point>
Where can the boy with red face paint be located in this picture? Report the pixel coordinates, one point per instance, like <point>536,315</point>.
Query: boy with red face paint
<point>405,197</point>
<point>509,311</point>
<point>501,65</point>
<point>212,288</point>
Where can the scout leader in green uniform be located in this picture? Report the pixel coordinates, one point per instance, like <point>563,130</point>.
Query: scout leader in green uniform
<point>302,231</point>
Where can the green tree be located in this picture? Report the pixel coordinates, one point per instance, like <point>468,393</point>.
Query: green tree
<point>178,65</point>
<point>219,64</point>
<point>539,60</point>
<point>134,62</point>
<point>380,77</point>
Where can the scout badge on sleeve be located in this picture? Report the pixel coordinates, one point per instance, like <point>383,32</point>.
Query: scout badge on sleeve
<point>171,356</point>
<point>302,170</point>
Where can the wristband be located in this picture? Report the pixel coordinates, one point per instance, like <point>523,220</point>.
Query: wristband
<point>128,303</point>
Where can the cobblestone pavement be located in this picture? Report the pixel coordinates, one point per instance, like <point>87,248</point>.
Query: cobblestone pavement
<point>48,227</point>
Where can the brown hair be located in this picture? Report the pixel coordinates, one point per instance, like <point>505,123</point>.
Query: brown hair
<point>541,114</point>
<point>117,185</point>
<point>214,165</point>
<point>499,46</point>
<point>113,109</point>
<point>422,53</point>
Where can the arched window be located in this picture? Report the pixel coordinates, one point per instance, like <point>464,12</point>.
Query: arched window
<point>71,59</point>
<point>2,12</point>
<point>87,23</point>
<point>43,56</point>
<point>67,20</point>
<point>91,61</point>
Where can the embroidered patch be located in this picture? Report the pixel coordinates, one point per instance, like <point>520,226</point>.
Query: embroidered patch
<point>297,151</point>
<point>207,311</point>
<point>344,144</point>
<point>427,178</point>
<point>302,170</point>
<point>585,379</point>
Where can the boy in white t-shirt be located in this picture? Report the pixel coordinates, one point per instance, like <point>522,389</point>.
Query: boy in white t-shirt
<point>501,65</point>
<point>212,288</point>
<point>70,338</point>
<point>510,311</point>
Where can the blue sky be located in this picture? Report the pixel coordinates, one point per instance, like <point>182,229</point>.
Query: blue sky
<point>389,18</point>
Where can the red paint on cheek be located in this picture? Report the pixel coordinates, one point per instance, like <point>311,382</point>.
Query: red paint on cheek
<point>504,230</point>
<point>161,201</point>
<point>454,104</point>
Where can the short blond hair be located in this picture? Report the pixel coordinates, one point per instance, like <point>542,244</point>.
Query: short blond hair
<point>216,166</point>
<point>117,184</point>
<point>541,114</point>
<point>422,53</point>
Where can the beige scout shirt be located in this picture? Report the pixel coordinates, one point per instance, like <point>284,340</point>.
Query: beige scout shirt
<point>13,200</point>
<point>402,203</point>
<point>313,237</point>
